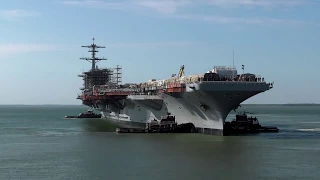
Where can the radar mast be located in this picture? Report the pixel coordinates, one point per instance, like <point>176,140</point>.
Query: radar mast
<point>93,59</point>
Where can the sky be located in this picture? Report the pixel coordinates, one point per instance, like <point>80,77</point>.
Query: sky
<point>41,41</point>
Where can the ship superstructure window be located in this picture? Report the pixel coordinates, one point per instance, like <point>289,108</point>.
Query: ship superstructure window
<point>249,77</point>
<point>211,77</point>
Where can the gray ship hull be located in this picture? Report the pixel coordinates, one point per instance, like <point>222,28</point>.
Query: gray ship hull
<point>206,104</point>
<point>130,117</point>
<point>123,122</point>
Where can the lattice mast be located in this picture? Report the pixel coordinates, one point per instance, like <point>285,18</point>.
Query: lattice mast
<point>93,49</point>
<point>117,75</point>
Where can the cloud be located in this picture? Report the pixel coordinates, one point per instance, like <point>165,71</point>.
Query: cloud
<point>160,6</point>
<point>16,14</point>
<point>172,9</point>
<point>172,6</point>
<point>152,44</point>
<point>97,4</point>
<point>12,48</point>
<point>164,6</point>
<point>257,3</point>
<point>236,20</point>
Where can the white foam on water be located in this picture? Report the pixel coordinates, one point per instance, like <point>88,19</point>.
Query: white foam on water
<point>301,148</point>
<point>310,130</point>
<point>274,115</point>
<point>56,133</point>
<point>310,122</point>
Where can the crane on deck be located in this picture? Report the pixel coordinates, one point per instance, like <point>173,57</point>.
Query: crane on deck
<point>181,71</point>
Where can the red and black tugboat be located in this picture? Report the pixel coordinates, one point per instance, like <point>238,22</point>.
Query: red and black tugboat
<point>166,124</point>
<point>88,114</point>
<point>244,124</point>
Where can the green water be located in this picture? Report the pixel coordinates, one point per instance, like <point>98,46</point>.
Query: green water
<point>36,142</point>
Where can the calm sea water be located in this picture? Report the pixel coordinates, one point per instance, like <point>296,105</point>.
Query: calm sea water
<point>36,142</point>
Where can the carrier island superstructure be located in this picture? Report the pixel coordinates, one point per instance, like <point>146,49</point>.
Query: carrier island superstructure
<point>204,99</point>
<point>113,104</point>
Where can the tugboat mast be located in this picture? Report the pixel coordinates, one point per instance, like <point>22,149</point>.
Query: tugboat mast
<point>93,49</point>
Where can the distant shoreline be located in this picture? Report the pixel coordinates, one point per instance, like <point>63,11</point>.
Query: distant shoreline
<point>41,105</point>
<point>288,104</point>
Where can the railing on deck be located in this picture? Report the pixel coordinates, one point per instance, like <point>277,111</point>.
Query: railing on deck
<point>141,89</point>
<point>138,97</point>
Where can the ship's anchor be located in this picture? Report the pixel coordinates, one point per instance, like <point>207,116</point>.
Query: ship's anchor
<point>204,107</point>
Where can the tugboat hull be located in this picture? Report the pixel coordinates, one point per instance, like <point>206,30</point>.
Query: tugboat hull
<point>86,115</point>
<point>244,125</point>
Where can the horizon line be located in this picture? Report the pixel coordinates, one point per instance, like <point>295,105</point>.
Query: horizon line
<point>88,106</point>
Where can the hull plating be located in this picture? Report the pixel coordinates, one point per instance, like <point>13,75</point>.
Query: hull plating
<point>206,105</point>
<point>123,120</point>
<point>131,116</point>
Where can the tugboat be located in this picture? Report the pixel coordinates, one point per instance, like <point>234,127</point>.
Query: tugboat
<point>242,120</point>
<point>245,124</point>
<point>88,114</point>
<point>167,124</point>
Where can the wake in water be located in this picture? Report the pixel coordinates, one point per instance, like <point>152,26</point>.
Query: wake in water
<point>310,130</point>
<point>98,125</point>
<point>300,133</point>
<point>310,122</point>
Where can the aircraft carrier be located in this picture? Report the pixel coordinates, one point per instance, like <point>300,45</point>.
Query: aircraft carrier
<point>205,100</point>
